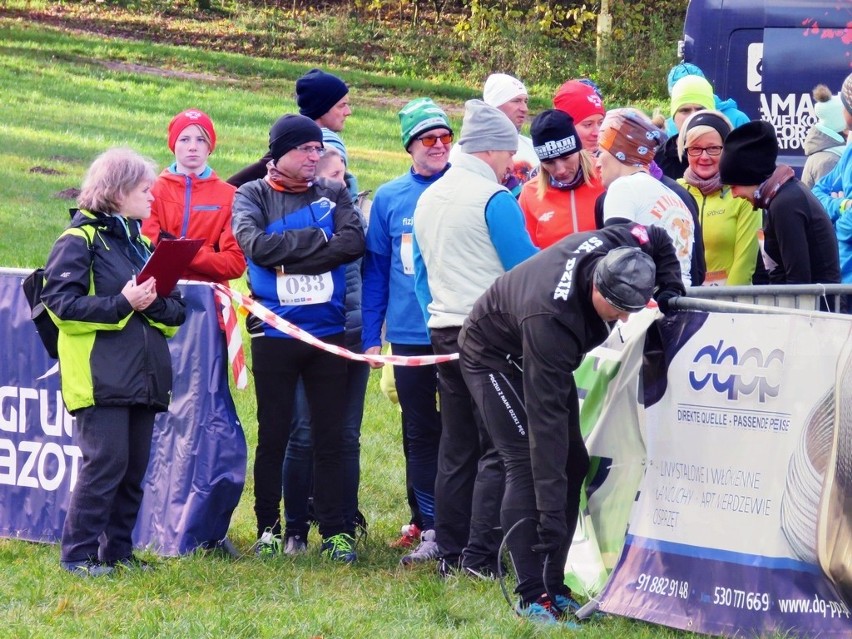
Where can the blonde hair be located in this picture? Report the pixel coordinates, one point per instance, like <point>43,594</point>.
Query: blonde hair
<point>688,136</point>
<point>203,131</point>
<point>586,166</point>
<point>112,175</point>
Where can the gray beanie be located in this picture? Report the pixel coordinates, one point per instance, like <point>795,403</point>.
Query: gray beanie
<point>487,128</point>
<point>625,277</point>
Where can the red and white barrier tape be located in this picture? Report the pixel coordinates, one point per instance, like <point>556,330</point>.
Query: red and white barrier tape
<point>234,340</point>
<point>264,314</point>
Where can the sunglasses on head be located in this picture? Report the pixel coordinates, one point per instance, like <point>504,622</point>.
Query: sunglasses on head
<point>432,140</point>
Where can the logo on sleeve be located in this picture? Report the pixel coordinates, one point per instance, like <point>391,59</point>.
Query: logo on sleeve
<point>640,233</point>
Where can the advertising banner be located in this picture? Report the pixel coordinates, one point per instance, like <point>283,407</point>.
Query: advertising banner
<point>741,525</point>
<point>198,457</point>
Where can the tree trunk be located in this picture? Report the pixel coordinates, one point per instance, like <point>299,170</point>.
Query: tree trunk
<point>604,32</point>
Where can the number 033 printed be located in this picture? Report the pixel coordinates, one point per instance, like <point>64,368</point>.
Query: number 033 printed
<point>299,289</point>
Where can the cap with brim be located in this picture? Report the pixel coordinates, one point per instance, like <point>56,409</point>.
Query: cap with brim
<point>625,277</point>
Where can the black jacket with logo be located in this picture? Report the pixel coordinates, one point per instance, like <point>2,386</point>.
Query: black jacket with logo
<point>540,316</point>
<point>109,354</point>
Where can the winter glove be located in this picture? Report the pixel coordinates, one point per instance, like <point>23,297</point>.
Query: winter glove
<point>663,301</point>
<point>552,531</point>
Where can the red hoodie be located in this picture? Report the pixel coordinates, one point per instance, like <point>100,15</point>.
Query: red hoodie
<point>198,208</point>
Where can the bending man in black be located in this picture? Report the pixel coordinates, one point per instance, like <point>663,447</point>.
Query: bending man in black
<point>519,348</point>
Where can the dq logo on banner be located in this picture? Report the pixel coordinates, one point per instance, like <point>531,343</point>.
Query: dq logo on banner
<point>734,374</point>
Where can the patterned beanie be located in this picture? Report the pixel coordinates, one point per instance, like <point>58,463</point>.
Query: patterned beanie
<point>846,93</point>
<point>554,136</point>
<point>579,100</point>
<point>631,137</point>
<point>421,115</point>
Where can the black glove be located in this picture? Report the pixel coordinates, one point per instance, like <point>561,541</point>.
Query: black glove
<point>663,301</point>
<point>552,531</point>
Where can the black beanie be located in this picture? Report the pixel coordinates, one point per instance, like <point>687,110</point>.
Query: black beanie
<point>318,91</point>
<point>626,277</point>
<point>749,154</point>
<point>290,131</point>
<point>553,135</point>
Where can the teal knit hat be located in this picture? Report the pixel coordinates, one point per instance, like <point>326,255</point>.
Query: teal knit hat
<point>421,115</point>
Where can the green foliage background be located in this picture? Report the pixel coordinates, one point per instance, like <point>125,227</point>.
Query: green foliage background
<point>544,42</point>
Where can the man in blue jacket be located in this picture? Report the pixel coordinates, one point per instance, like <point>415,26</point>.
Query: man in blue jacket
<point>388,298</point>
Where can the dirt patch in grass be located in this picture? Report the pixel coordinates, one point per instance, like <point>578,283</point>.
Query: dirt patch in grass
<point>70,193</point>
<point>44,170</point>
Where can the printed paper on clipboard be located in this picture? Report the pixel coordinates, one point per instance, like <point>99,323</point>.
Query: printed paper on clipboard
<point>168,262</point>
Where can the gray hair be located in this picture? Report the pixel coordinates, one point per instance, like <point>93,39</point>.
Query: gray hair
<point>112,175</point>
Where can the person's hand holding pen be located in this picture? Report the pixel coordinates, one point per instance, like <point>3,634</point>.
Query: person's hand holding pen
<point>142,295</point>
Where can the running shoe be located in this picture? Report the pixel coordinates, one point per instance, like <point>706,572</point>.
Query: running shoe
<point>427,550</point>
<point>340,547</point>
<point>543,611</point>
<point>410,533</point>
<point>269,545</point>
<point>295,545</point>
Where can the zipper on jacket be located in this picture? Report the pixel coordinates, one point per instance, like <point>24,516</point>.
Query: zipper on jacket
<point>187,204</point>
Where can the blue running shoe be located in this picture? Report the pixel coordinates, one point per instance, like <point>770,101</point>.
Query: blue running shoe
<point>542,611</point>
<point>340,547</point>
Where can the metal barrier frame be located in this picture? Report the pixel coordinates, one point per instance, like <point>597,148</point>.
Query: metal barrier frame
<point>781,298</point>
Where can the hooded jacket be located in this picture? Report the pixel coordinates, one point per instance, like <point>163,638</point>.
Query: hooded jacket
<point>109,354</point>
<point>823,150</point>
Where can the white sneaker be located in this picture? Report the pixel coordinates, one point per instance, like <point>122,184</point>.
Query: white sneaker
<point>427,549</point>
<point>296,545</point>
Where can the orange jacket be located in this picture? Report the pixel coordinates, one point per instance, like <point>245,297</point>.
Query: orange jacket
<point>560,213</point>
<point>198,208</point>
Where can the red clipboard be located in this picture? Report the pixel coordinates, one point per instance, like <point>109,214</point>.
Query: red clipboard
<point>168,262</point>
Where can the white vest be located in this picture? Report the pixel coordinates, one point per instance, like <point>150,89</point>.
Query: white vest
<point>449,224</point>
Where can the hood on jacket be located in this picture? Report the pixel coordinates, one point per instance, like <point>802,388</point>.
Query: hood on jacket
<point>817,140</point>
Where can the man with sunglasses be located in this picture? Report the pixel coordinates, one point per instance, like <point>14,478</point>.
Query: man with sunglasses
<point>469,230</point>
<point>298,233</point>
<point>389,299</point>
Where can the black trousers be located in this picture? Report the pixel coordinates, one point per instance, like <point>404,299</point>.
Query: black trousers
<point>417,389</point>
<point>500,397</point>
<point>469,484</point>
<point>277,364</point>
<point>115,442</point>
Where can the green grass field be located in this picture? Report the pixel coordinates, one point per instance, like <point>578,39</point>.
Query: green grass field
<point>64,98</point>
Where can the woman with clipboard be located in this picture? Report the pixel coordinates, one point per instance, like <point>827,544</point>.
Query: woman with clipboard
<point>114,361</point>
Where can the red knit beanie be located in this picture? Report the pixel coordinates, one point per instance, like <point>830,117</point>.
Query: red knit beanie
<point>188,118</point>
<point>579,100</point>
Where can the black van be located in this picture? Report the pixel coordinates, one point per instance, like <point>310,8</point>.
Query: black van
<point>768,55</point>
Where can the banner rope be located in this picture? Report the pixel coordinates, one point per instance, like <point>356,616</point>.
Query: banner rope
<point>246,303</point>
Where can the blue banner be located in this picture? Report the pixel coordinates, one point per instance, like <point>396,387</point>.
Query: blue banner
<point>198,455</point>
